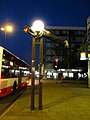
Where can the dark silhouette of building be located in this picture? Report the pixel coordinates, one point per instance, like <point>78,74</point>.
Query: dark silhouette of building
<point>69,57</point>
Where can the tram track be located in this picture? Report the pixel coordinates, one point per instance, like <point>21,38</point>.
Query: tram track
<point>7,101</point>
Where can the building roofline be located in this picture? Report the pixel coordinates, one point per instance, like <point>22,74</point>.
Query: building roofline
<point>64,28</point>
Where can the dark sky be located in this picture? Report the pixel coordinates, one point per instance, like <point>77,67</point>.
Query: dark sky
<point>52,12</point>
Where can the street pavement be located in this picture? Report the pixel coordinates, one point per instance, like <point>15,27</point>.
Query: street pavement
<point>60,101</point>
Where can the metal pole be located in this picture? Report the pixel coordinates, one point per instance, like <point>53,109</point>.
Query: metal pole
<point>88,74</point>
<point>88,39</point>
<point>4,38</point>
<point>88,82</point>
<point>40,77</point>
<point>33,74</point>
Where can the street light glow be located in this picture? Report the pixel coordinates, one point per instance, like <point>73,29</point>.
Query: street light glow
<point>38,25</point>
<point>6,29</point>
<point>3,29</point>
<point>9,28</point>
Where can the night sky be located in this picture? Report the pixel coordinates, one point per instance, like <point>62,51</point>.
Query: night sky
<point>51,12</point>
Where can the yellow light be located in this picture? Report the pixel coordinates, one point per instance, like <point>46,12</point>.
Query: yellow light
<point>83,56</point>
<point>66,43</point>
<point>88,56</point>
<point>3,29</point>
<point>9,28</point>
<point>11,63</point>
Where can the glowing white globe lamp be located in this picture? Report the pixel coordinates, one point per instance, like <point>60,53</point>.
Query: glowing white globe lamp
<point>37,25</point>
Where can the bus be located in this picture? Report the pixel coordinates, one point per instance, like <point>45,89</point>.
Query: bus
<point>14,72</point>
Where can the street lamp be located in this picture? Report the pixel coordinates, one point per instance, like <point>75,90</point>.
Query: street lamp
<point>38,26</point>
<point>36,30</point>
<point>6,29</point>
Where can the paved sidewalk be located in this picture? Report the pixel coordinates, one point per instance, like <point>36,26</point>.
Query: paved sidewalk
<point>62,101</point>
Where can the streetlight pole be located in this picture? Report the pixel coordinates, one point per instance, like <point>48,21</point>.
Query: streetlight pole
<point>36,30</point>
<point>5,37</point>
<point>33,74</point>
<point>88,39</point>
<point>6,29</point>
<point>41,73</point>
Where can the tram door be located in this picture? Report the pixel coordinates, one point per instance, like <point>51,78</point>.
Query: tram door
<point>20,79</point>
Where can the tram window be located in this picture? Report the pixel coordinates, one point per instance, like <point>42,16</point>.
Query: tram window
<point>12,65</point>
<point>5,73</point>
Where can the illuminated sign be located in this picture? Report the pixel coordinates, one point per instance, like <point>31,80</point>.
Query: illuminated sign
<point>89,56</point>
<point>83,56</point>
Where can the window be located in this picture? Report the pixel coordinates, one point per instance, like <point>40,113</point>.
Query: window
<point>56,32</point>
<point>48,45</point>
<point>12,66</point>
<point>65,32</point>
<point>79,39</point>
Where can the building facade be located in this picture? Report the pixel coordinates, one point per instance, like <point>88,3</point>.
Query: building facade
<point>68,56</point>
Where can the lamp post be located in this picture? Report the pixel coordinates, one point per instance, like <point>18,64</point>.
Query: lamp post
<point>38,26</point>
<point>41,74</point>
<point>36,30</point>
<point>33,74</point>
<point>6,29</point>
<point>88,39</point>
